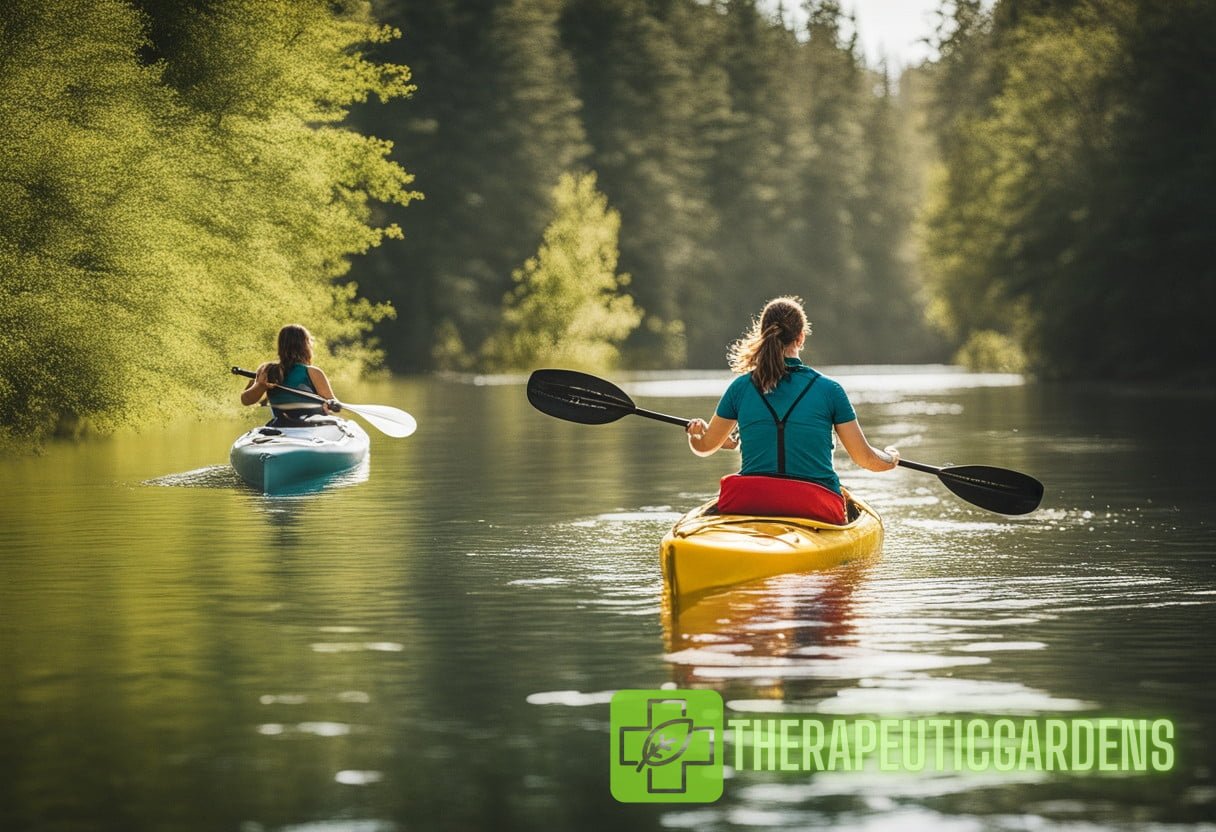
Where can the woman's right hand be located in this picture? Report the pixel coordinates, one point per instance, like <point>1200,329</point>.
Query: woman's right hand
<point>892,452</point>
<point>696,428</point>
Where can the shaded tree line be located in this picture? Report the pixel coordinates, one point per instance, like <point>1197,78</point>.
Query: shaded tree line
<point>746,158</point>
<point>1069,218</point>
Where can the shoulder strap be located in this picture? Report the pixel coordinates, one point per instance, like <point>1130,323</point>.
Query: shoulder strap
<point>780,423</point>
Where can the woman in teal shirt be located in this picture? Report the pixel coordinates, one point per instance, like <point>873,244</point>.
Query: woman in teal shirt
<point>785,411</point>
<point>293,369</point>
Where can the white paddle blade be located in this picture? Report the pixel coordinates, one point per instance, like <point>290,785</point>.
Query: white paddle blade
<point>388,420</point>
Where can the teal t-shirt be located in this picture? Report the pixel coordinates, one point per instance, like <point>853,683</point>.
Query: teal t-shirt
<point>297,377</point>
<point>808,431</point>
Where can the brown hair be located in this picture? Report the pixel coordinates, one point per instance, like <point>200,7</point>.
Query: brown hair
<point>295,347</point>
<point>761,351</point>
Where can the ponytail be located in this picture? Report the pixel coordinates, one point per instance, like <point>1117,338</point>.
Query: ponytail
<point>761,351</point>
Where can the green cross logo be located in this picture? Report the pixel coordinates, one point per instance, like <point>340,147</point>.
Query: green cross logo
<point>666,746</point>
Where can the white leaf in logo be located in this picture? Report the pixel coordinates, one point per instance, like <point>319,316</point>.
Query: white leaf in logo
<point>666,743</point>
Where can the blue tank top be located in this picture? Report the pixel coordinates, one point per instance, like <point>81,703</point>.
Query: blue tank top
<point>283,400</point>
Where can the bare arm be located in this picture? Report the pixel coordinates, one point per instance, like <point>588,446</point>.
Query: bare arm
<point>320,382</point>
<point>256,388</point>
<point>706,439</point>
<point>862,452</point>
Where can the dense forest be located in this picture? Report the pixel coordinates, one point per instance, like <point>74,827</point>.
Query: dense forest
<point>1069,221</point>
<point>747,158</point>
<point>1038,194</point>
<point>605,182</point>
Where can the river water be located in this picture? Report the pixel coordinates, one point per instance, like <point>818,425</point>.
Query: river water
<point>432,643</point>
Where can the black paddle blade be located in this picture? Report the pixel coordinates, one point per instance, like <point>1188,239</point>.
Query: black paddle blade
<point>578,397</point>
<point>996,489</point>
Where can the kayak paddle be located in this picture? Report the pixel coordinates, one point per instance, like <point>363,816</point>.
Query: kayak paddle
<point>389,420</point>
<point>996,489</point>
<point>588,400</point>
<point>578,397</point>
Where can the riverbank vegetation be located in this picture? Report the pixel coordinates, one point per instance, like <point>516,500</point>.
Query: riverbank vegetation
<point>1033,198</point>
<point>746,160</point>
<point>1071,213</point>
<point>178,179</point>
<point>176,183</point>
<point>567,308</point>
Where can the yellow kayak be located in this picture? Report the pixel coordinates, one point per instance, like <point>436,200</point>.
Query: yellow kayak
<point>705,550</point>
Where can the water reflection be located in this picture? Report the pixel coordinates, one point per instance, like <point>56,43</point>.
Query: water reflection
<point>764,629</point>
<point>436,648</point>
<point>836,643</point>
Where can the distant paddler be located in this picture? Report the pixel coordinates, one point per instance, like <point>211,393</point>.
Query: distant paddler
<point>278,382</point>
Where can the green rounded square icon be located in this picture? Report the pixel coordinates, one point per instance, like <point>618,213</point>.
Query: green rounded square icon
<point>666,746</point>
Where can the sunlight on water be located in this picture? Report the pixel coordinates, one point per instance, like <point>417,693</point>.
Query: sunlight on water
<point>858,381</point>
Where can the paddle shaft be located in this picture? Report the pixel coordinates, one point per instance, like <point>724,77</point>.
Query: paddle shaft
<point>920,466</point>
<point>237,371</point>
<point>586,399</point>
<point>942,474</point>
<point>662,417</point>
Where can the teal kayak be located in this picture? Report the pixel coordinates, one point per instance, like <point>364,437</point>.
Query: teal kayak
<point>280,459</point>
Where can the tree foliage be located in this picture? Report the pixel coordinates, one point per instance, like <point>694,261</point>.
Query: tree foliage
<point>492,126</point>
<point>567,308</point>
<point>747,159</point>
<point>1067,215</point>
<point>175,184</point>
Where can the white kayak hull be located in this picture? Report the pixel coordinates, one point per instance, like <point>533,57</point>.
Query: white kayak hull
<point>280,459</point>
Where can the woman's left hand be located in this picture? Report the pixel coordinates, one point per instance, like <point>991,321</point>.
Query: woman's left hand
<point>732,441</point>
<point>696,428</point>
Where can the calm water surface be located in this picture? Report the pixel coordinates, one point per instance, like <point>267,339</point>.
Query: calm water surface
<point>432,644</point>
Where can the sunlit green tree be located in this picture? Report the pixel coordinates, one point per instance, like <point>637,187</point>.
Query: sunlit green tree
<point>651,95</point>
<point>174,185</point>
<point>567,308</point>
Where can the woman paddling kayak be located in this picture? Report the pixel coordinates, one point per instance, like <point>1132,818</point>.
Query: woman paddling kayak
<point>785,412</point>
<point>293,369</point>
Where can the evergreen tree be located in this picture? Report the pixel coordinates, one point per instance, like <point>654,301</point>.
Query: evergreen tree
<point>1066,220</point>
<point>832,178</point>
<point>886,289</point>
<point>753,178</point>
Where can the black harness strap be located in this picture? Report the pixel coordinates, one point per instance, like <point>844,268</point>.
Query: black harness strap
<point>780,423</point>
